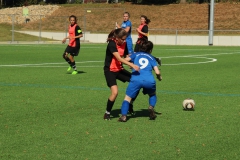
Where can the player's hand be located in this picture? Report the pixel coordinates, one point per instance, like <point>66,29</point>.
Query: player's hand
<point>137,68</point>
<point>117,25</point>
<point>64,40</point>
<point>159,77</point>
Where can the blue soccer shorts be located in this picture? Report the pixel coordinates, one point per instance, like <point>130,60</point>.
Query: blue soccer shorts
<point>134,87</point>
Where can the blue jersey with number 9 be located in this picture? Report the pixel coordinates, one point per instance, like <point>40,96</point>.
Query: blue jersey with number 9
<point>146,62</point>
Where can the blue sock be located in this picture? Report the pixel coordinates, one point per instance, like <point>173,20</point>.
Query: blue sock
<point>152,100</point>
<point>125,107</point>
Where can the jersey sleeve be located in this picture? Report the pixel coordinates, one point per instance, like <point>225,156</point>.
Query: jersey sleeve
<point>112,47</point>
<point>132,56</point>
<point>153,62</point>
<point>128,24</point>
<point>145,29</point>
<point>78,31</point>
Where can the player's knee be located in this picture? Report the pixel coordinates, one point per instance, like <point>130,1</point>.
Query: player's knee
<point>64,55</point>
<point>114,93</point>
<point>152,100</point>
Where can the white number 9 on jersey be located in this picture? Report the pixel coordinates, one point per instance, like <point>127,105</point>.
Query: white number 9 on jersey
<point>143,62</point>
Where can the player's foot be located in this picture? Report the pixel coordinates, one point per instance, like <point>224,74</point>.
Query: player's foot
<point>106,117</point>
<point>122,119</point>
<point>69,69</point>
<point>159,61</point>
<point>152,115</point>
<point>75,72</point>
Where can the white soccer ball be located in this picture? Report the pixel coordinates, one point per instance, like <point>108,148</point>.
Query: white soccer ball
<point>188,104</point>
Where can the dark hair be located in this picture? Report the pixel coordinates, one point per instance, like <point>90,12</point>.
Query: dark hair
<point>127,14</point>
<point>72,16</point>
<point>116,33</point>
<point>146,47</point>
<point>145,17</point>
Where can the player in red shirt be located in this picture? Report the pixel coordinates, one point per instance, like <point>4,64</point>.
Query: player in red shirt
<point>143,35</point>
<point>113,69</point>
<point>73,48</point>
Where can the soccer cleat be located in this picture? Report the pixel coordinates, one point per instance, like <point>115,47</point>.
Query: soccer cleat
<point>69,68</point>
<point>159,61</point>
<point>122,119</point>
<point>106,117</point>
<point>75,72</point>
<point>152,115</point>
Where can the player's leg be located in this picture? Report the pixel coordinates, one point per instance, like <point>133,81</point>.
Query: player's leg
<point>132,90</point>
<point>110,102</point>
<point>124,109</point>
<point>69,56</point>
<point>152,103</point>
<point>65,56</point>
<point>73,64</point>
<point>112,84</point>
<point>131,111</point>
<point>150,89</point>
<point>125,76</point>
<point>130,45</point>
<point>73,51</point>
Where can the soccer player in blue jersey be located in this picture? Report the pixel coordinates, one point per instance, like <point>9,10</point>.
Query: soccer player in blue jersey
<point>127,26</point>
<point>142,79</point>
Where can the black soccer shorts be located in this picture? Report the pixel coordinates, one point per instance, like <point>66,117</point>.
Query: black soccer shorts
<point>111,77</point>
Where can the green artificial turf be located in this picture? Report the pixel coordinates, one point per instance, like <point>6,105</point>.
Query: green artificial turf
<point>47,113</point>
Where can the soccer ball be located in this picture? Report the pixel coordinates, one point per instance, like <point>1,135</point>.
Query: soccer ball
<point>188,104</point>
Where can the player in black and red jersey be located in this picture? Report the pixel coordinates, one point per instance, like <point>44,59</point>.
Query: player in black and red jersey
<point>73,48</point>
<point>143,35</point>
<point>113,69</point>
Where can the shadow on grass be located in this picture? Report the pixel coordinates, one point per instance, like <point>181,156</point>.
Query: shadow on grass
<point>79,72</point>
<point>139,113</point>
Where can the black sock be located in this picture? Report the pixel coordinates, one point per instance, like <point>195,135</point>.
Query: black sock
<point>68,60</point>
<point>131,103</point>
<point>130,107</point>
<point>109,105</point>
<point>73,65</point>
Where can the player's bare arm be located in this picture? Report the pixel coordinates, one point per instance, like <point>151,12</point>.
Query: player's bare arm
<point>119,58</point>
<point>127,29</point>
<point>158,73</point>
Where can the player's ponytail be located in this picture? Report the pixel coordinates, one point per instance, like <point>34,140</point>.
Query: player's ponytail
<point>147,21</point>
<point>110,35</point>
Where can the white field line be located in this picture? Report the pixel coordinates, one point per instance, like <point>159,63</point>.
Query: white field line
<point>41,45</point>
<point>53,66</point>
<point>43,64</point>
<point>217,54</point>
<point>188,56</point>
